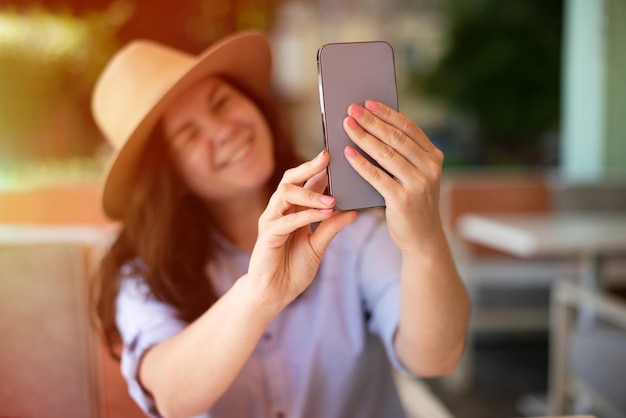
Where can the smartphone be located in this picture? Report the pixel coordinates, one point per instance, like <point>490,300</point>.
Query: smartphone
<point>352,72</point>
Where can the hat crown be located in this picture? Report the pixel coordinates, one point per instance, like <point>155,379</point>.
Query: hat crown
<point>135,79</point>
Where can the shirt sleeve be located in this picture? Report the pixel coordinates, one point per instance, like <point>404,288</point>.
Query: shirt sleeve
<point>143,321</point>
<point>379,264</point>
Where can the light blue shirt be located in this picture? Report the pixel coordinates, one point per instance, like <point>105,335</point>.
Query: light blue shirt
<point>327,355</point>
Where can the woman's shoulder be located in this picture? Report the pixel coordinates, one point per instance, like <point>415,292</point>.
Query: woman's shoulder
<point>132,278</point>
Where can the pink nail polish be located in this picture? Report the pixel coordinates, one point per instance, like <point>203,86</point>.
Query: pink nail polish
<point>350,152</point>
<point>356,110</point>
<point>327,200</point>
<point>372,106</point>
<point>352,123</point>
<point>320,155</point>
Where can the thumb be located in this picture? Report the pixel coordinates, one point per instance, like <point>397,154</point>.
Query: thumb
<point>328,229</point>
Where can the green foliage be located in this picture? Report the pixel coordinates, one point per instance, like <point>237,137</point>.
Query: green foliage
<point>49,64</point>
<point>502,67</point>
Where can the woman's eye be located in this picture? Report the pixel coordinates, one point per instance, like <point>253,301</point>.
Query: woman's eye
<point>187,138</point>
<point>220,102</point>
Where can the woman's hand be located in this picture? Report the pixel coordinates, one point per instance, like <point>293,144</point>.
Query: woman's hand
<point>287,252</point>
<point>413,164</point>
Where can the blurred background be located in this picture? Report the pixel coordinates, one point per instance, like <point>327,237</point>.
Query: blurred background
<point>519,90</point>
<point>482,78</point>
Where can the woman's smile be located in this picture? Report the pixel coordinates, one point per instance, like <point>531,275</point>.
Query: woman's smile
<point>235,154</point>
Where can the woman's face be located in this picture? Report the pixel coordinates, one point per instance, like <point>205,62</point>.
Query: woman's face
<point>219,140</point>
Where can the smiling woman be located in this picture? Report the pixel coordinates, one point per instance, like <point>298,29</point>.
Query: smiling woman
<point>233,286</point>
<point>218,295</point>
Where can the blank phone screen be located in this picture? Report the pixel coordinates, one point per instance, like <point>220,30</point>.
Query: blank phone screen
<point>352,73</point>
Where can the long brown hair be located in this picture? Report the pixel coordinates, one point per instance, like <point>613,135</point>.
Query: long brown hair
<point>165,234</point>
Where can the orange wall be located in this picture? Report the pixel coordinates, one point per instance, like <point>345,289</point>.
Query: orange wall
<point>51,205</point>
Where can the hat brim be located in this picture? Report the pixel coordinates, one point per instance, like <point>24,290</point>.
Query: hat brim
<point>243,58</point>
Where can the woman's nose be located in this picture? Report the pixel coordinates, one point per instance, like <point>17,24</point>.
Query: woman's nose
<point>217,131</point>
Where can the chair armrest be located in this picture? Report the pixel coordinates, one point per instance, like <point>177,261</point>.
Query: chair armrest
<point>605,306</point>
<point>568,302</point>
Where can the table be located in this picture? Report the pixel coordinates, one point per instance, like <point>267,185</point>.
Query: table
<point>587,236</point>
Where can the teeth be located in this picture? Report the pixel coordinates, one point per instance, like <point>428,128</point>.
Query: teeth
<point>238,155</point>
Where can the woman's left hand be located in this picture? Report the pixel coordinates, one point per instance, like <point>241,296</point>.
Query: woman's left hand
<point>410,185</point>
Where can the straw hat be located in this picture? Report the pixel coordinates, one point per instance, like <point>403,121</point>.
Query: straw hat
<point>143,78</point>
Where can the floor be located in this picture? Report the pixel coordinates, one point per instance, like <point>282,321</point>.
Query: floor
<point>510,371</point>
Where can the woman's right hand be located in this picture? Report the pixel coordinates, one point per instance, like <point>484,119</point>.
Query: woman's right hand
<point>287,252</point>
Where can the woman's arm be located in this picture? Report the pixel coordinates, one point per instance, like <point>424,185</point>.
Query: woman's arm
<point>189,372</point>
<point>434,302</point>
<point>434,311</point>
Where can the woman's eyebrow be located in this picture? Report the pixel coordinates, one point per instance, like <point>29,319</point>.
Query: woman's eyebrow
<point>213,92</point>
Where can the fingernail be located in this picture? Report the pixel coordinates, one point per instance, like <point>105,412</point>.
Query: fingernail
<point>355,109</point>
<point>350,152</point>
<point>320,155</point>
<point>352,123</point>
<point>372,106</point>
<point>326,210</point>
<point>327,200</point>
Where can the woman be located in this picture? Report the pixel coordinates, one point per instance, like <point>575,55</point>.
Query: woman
<point>235,289</point>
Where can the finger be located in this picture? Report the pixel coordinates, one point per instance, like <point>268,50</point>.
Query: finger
<point>318,182</point>
<point>373,134</point>
<point>429,163</point>
<point>289,196</point>
<point>374,175</point>
<point>278,204</point>
<point>301,196</point>
<point>289,223</point>
<point>397,193</point>
<point>385,155</point>
<point>399,121</point>
<point>329,228</point>
<point>306,170</point>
